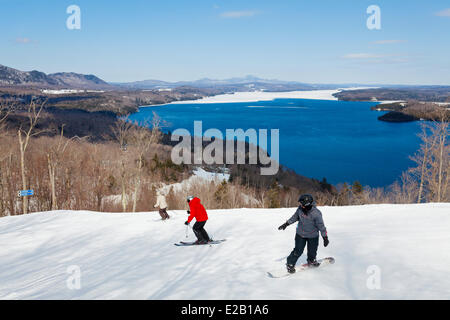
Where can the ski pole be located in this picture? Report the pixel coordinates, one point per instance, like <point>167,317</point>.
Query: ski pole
<point>187,227</point>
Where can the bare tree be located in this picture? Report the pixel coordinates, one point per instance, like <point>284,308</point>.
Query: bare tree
<point>122,133</point>
<point>442,132</point>
<point>432,159</point>
<point>24,136</point>
<point>55,153</point>
<point>3,115</point>
<point>422,159</point>
<point>143,137</point>
<point>4,112</point>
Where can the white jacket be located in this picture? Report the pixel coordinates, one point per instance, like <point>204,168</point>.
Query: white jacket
<point>161,202</point>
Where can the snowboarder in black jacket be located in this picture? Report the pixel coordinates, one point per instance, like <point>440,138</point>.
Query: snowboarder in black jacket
<point>310,222</point>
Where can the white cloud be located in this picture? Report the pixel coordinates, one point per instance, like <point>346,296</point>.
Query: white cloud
<point>23,40</point>
<point>362,56</point>
<point>238,14</point>
<point>376,58</point>
<point>388,41</point>
<point>444,13</point>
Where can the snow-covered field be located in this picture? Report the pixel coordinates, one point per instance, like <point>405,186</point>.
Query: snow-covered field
<point>381,251</point>
<point>254,96</point>
<point>211,176</point>
<point>66,91</point>
<point>199,177</point>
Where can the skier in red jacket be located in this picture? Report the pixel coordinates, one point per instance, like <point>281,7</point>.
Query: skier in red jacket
<point>197,211</point>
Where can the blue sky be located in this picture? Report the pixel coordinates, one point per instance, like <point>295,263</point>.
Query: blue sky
<point>324,41</point>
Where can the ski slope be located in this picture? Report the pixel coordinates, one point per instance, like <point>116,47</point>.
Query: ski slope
<point>132,255</point>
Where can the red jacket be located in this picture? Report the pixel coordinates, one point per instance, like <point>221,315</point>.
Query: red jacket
<point>197,211</point>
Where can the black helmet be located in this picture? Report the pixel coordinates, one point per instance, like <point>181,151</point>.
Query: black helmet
<point>306,200</point>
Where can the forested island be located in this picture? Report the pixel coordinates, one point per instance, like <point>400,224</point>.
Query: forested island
<point>413,111</point>
<point>405,104</point>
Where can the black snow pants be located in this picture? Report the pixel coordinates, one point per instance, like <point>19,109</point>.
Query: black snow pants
<point>163,213</point>
<point>200,232</point>
<point>300,243</point>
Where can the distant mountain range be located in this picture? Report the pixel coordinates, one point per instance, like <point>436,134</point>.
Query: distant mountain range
<point>67,80</point>
<point>10,77</point>
<point>70,80</point>
<point>251,82</point>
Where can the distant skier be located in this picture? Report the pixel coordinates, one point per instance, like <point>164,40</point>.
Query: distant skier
<point>197,211</point>
<point>162,204</point>
<point>310,222</point>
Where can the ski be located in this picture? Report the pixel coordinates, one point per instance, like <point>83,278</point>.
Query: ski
<point>281,273</point>
<point>183,244</point>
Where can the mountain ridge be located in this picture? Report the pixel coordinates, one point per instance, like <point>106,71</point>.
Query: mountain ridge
<point>11,77</point>
<point>67,80</point>
<point>209,82</point>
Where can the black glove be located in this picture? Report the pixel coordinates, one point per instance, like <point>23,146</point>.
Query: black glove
<point>283,226</point>
<point>189,212</point>
<point>186,223</point>
<point>325,241</point>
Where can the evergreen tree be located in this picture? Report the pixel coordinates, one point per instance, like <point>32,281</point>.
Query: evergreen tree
<point>274,195</point>
<point>357,188</point>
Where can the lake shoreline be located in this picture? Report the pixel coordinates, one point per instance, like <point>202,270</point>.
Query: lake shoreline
<point>258,96</point>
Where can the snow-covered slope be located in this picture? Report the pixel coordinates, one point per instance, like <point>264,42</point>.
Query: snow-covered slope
<point>132,256</point>
<point>200,177</point>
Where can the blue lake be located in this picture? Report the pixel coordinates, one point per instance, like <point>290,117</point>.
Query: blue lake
<point>341,141</point>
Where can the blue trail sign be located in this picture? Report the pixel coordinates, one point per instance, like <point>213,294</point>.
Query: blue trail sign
<point>24,193</point>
